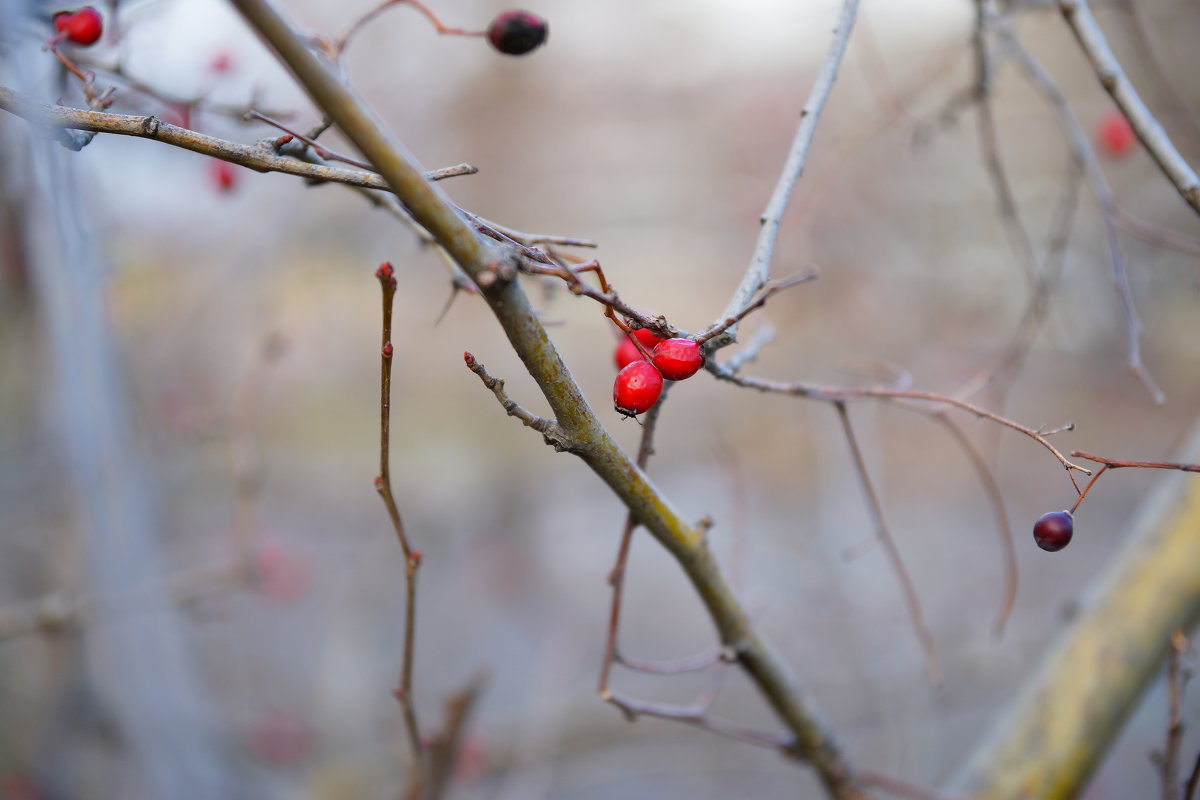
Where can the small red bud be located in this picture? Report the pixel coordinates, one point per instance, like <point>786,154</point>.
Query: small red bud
<point>385,271</point>
<point>387,350</point>
<point>416,557</point>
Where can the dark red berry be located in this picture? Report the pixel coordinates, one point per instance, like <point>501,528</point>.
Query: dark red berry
<point>627,352</point>
<point>1115,135</point>
<point>84,26</point>
<point>678,359</point>
<point>637,388</point>
<point>517,32</point>
<point>1053,531</point>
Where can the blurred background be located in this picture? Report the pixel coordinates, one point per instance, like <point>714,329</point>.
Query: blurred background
<point>189,375</point>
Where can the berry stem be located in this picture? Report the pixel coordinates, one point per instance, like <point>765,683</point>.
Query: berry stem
<point>1088,488</point>
<point>362,21</point>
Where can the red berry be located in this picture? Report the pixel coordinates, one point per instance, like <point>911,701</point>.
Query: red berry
<point>222,62</point>
<point>678,359</point>
<point>627,352</point>
<point>1053,531</point>
<point>222,175</point>
<point>84,26</point>
<point>1115,135</point>
<point>517,32</point>
<point>637,388</point>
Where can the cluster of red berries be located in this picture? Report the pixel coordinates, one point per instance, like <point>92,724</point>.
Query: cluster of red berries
<point>516,32</point>
<point>84,26</point>
<point>639,381</point>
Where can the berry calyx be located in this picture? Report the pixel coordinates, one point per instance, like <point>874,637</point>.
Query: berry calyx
<point>637,388</point>
<point>84,26</point>
<point>1053,531</point>
<point>627,352</point>
<point>1115,135</point>
<point>678,359</point>
<point>516,32</point>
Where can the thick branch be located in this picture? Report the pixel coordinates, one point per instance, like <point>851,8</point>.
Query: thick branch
<point>491,265</point>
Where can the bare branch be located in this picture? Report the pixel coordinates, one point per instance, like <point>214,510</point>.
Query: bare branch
<point>261,156</point>
<point>697,716</point>
<point>483,257</point>
<point>884,534</point>
<point>1108,69</point>
<point>759,271</point>
<point>1082,149</point>
<point>412,558</point>
<point>835,394</point>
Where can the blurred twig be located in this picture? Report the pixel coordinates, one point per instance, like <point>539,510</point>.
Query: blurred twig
<point>1112,77</point>
<point>262,156</point>
<point>875,509</point>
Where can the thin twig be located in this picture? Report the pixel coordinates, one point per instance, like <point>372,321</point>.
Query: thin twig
<point>1168,762</point>
<point>759,271</point>
<point>902,788</point>
<point>991,488</point>
<point>616,577</point>
<point>1013,356</point>
<point>697,716</point>
<point>322,151</point>
<point>1154,234</point>
<point>1082,148</point>
<point>340,45</point>
<point>412,558</point>
<point>554,435</point>
<point>261,156</point>
<point>1115,463</point>
<point>875,509</point>
<point>1108,69</point>
<point>1014,229</point>
<point>1189,788</point>
<point>831,394</point>
<point>770,290</point>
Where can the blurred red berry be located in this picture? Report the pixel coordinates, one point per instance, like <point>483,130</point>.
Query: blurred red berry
<point>281,738</point>
<point>84,26</point>
<point>222,62</point>
<point>516,33</point>
<point>1115,135</point>
<point>281,570</point>
<point>678,359</point>
<point>637,388</point>
<point>222,175</point>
